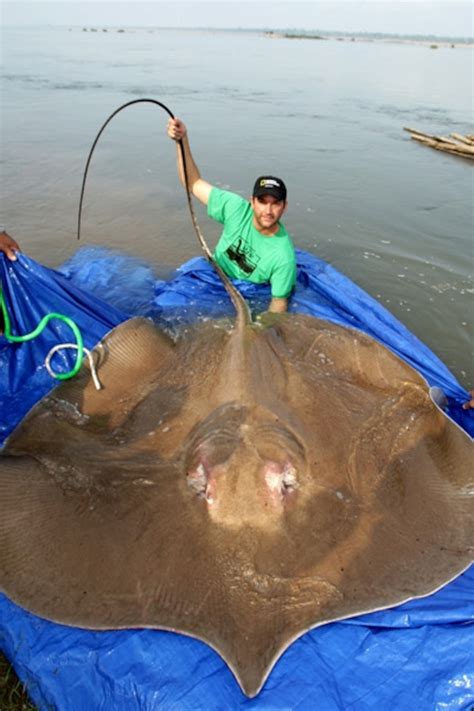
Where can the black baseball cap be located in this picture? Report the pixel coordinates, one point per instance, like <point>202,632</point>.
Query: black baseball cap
<point>269,185</point>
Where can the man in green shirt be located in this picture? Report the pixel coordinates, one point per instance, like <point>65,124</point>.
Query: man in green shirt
<point>254,244</point>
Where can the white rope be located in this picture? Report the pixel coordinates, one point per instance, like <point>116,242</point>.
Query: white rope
<point>73,346</point>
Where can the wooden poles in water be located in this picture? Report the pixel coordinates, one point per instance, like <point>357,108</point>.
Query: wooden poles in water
<point>457,144</point>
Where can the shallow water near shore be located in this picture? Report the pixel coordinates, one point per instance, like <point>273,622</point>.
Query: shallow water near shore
<point>327,116</point>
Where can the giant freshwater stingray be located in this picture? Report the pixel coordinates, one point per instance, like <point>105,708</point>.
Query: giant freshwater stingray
<point>241,484</point>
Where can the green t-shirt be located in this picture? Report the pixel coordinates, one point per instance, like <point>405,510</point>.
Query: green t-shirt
<point>244,253</point>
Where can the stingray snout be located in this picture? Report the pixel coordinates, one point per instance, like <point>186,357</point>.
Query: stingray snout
<point>247,469</point>
<point>245,490</point>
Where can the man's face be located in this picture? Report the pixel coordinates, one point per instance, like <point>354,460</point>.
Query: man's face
<point>267,211</point>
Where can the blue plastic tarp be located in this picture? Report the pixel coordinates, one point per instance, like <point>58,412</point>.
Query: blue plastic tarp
<point>30,292</point>
<point>418,655</point>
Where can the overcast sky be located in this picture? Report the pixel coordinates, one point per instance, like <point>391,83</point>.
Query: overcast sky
<point>424,17</point>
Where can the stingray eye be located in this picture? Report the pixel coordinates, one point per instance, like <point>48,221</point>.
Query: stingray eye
<point>197,479</point>
<point>201,482</point>
<point>281,478</point>
<point>289,481</point>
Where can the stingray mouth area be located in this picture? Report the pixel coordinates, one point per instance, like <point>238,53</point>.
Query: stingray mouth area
<point>279,479</point>
<point>243,470</point>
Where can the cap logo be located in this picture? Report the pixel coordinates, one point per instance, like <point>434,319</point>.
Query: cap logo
<point>269,183</point>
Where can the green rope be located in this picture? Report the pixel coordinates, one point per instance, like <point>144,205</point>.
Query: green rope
<point>39,329</point>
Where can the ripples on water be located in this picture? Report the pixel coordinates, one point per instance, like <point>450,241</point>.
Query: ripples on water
<point>328,116</point>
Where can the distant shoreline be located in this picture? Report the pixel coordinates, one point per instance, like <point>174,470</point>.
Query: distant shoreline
<point>294,34</point>
<point>434,43</point>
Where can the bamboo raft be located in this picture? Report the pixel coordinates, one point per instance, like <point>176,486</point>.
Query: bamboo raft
<point>456,143</point>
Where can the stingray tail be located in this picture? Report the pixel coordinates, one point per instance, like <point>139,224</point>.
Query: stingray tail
<point>244,317</point>
<point>243,312</point>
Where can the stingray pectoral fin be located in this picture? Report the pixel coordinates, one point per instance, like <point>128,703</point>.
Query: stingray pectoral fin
<point>23,495</point>
<point>90,551</point>
<point>129,361</point>
<point>349,353</point>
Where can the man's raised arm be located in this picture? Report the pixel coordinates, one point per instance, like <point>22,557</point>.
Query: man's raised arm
<point>200,188</point>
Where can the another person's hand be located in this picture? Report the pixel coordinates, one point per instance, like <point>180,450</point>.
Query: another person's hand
<point>176,129</point>
<point>470,403</point>
<point>8,245</point>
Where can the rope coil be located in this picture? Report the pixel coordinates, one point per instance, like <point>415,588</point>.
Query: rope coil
<point>61,346</point>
